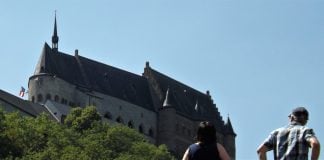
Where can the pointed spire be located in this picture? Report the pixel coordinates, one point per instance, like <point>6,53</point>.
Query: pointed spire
<point>168,101</point>
<point>229,127</point>
<point>55,38</point>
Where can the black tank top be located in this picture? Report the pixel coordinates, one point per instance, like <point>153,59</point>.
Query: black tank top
<point>203,152</point>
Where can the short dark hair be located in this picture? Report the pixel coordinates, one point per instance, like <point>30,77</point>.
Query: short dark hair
<point>206,133</point>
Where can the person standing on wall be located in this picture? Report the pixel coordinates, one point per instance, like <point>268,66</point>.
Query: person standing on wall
<point>292,142</point>
<point>206,147</point>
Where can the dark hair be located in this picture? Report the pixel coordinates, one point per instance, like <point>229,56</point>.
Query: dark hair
<point>206,133</point>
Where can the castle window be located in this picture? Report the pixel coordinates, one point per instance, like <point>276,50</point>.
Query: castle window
<point>48,96</point>
<point>120,107</point>
<point>33,99</point>
<point>151,133</point>
<point>71,104</point>
<point>56,98</point>
<point>141,128</point>
<point>119,120</point>
<point>63,101</point>
<point>142,115</point>
<point>39,98</point>
<point>108,115</point>
<point>42,70</point>
<point>130,124</point>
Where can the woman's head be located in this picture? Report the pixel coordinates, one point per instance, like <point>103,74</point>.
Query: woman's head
<point>206,132</point>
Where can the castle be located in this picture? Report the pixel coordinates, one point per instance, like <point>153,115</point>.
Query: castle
<point>165,110</point>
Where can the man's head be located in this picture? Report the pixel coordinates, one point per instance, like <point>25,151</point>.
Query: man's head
<point>299,114</point>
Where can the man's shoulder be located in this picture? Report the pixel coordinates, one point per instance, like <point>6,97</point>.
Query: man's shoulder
<point>280,129</point>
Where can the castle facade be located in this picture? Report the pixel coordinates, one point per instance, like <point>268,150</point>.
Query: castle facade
<point>165,110</point>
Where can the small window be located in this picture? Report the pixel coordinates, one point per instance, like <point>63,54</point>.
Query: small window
<point>56,98</point>
<point>108,115</point>
<point>71,104</point>
<point>33,99</point>
<point>39,98</point>
<point>151,133</point>
<point>130,124</point>
<point>64,101</point>
<point>141,128</point>
<point>119,120</point>
<point>42,70</point>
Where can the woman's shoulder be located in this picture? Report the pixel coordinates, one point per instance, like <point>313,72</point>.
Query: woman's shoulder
<point>194,145</point>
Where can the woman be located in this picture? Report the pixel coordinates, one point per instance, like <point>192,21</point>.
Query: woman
<point>206,147</point>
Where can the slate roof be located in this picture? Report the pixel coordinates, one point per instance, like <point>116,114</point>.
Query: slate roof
<point>95,76</point>
<point>28,107</point>
<point>186,98</point>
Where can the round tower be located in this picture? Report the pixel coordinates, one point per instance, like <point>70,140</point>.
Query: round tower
<point>166,122</point>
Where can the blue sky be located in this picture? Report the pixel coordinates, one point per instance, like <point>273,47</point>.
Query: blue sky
<point>258,58</point>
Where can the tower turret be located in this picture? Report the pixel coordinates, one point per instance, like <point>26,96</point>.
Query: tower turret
<point>166,121</point>
<point>55,38</point>
<point>230,138</point>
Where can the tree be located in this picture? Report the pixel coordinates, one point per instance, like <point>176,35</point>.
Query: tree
<point>82,119</point>
<point>83,137</point>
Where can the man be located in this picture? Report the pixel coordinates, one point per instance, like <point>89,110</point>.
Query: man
<point>293,141</point>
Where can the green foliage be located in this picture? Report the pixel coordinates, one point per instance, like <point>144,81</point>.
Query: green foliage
<point>82,119</point>
<point>82,137</point>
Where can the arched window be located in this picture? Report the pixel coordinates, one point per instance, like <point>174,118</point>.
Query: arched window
<point>39,98</point>
<point>48,97</point>
<point>56,98</point>
<point>130,124</point>
<point>119,120</point>
<point>141,128</point>
<point>151,132</point>
<point>108,115</point>
<point>33,99</point>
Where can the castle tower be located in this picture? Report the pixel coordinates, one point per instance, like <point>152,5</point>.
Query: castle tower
<point>166,121</point>
<point>55,38</point>
<point>229,138</point>
<point>40,84</point>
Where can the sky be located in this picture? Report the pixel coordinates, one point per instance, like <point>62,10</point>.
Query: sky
<point>258,58</point>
